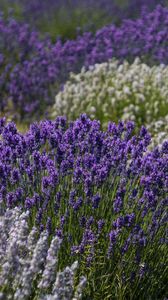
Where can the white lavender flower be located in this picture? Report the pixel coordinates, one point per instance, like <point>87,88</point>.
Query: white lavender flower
<point>34,267</point>
<point>49,273</point>
<point>80,287</point>
<point>15,245</point>
<point>63,286</point>
<point>32,239</point>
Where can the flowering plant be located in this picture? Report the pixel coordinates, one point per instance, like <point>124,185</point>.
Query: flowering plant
<point>113,91</point>
<point>101,192</point>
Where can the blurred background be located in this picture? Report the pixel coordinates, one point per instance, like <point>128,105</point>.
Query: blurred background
<point>66,18</point>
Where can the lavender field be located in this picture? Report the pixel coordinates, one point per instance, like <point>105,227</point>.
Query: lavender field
<point>83,150</point>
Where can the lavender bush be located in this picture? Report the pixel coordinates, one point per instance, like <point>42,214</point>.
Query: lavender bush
<point>116,91</point>
<point>29,263</point>
<point>101,192</point>
<point>30,84</point>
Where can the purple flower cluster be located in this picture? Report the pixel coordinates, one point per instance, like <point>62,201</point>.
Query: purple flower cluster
<point>36,69</point>
<point>101,192</point>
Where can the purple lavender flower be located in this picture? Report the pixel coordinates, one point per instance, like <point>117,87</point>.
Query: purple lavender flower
<point>49,225</point>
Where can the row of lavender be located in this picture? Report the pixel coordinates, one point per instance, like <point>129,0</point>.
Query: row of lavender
<point>63,17</point>
<point>102,193</point>
<point>33,70</point>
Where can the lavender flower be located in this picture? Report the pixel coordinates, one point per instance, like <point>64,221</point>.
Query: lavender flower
<point>51,263</point>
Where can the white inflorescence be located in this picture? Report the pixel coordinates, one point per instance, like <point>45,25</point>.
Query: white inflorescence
<point>29,263</point>
<point>112,91</point>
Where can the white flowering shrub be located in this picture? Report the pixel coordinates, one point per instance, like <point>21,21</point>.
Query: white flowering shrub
<point>28,263</point>
<point>112,91</point>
